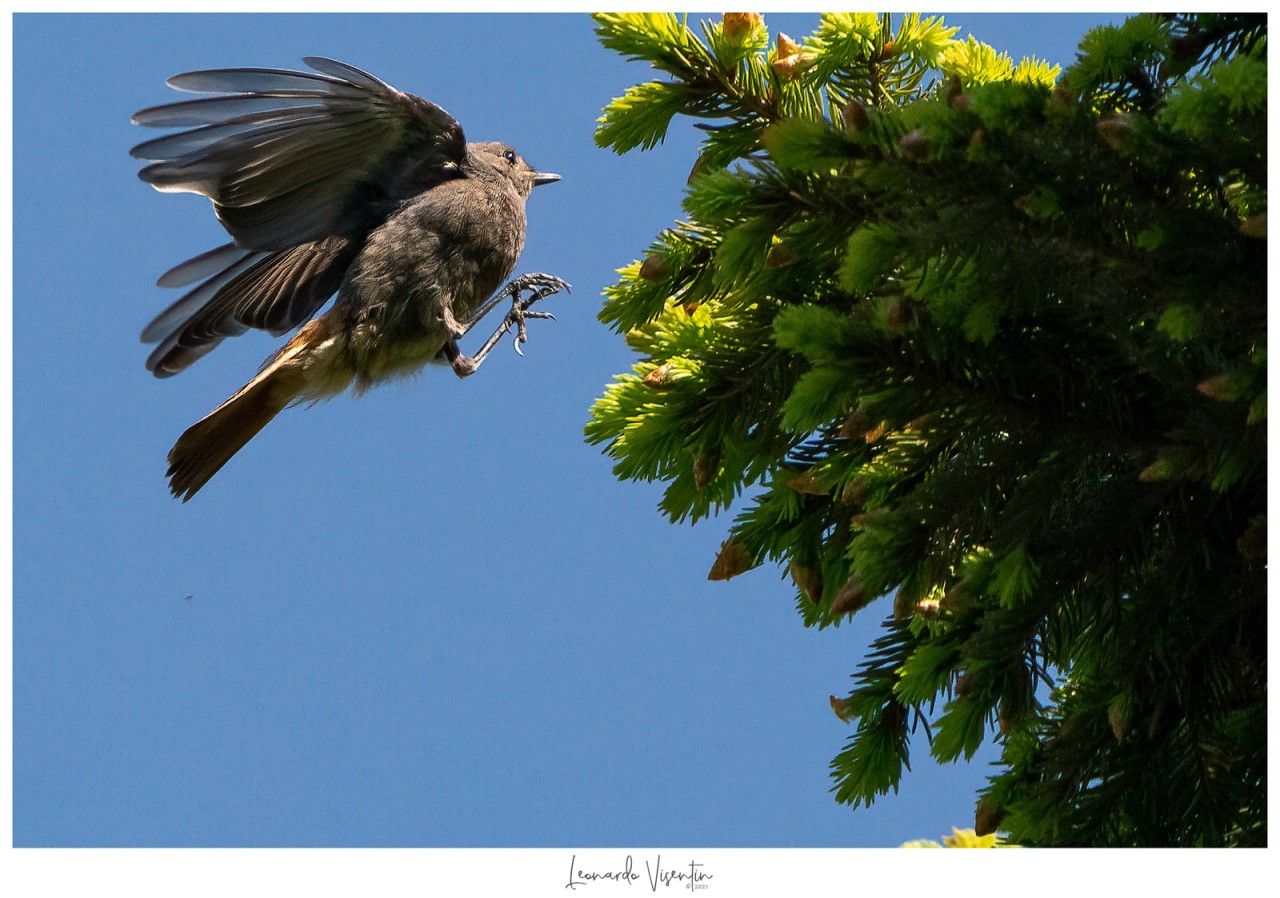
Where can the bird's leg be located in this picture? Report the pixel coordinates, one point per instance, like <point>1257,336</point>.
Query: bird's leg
<point>540,286</point>
<point>543,285</point>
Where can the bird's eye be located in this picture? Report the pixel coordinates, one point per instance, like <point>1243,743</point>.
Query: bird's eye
<point>510,156</point>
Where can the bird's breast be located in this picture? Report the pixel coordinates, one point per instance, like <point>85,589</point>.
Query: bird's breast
<point>450,248</point>
<point>451,244</point>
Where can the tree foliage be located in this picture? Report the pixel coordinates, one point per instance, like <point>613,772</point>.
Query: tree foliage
<point>989,339</point>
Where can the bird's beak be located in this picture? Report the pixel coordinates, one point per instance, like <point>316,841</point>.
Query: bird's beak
<point>544,177</point>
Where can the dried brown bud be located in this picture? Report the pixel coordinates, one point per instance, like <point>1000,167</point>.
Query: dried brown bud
<point>928,608</point>
<point>738,26</point>
<point>690,306</point>
<point>732,560</point>
<point>791,60</point>
<point>1007,715</point>
<point>839,706</point>
<point>792,66</point>
<point>1068,728</point>
<point>875,434</point>
<point>956,598</point>
<point>986,816</point>
<point>654,268</point>
<point>856,425</point>
<point>855,117</point>
<point>659,378</point>
<point>900,314</point>
<point>808,580</point>
<point>1255,226</point>
<point>1257,411</point>
<point>869,518</point>
<point>1013,704</point>
<point>1219,387</point>
<point>1152,473</point>
<point>855,492</point>
<point>915,146</point>
<point>1252,544</point>
<point>780,254</point>
<point>810,483</point>
<point>706,465</point>
<point>850,597</point>
<point>956,96</point>
<point>964,684</point>
<point>903,603</point>
<point>1115,130</point>
<point>1118,718</point>
<point>700,167</point>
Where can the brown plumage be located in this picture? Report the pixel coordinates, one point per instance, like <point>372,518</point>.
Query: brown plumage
<point>330,182</point>
<point>207,445</point>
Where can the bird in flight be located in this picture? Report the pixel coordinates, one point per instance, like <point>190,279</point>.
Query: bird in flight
<point>331,181</point>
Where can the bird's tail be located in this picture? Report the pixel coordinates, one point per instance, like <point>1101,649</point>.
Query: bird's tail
<point>208,444</point>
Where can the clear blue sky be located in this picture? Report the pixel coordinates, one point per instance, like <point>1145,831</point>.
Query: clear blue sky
<point>427,617</point>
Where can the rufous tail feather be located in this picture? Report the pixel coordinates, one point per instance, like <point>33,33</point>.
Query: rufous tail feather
<point>208,444</point>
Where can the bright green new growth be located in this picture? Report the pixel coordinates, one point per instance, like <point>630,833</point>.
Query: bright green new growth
<point>989,341</point>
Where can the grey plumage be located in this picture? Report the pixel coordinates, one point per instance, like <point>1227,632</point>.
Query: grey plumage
<point>329,181</point>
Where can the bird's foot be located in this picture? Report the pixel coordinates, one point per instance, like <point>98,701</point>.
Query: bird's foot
<point>542,286</point>
<point>538,286</point>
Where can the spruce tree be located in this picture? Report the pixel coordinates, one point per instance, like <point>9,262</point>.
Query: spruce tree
<point>978,347</point>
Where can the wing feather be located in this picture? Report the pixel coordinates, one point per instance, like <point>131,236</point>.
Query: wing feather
<point>267,291</point>
<point>357,146</point>
<point>193,300</point>
<point>202,266</point>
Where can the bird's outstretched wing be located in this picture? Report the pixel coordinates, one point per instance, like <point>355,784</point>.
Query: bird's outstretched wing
<point>299,167</point>
<point>242,289</point>
<point>291,157</point>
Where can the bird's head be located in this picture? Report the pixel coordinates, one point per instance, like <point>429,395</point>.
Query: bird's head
<point>512,165</point>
